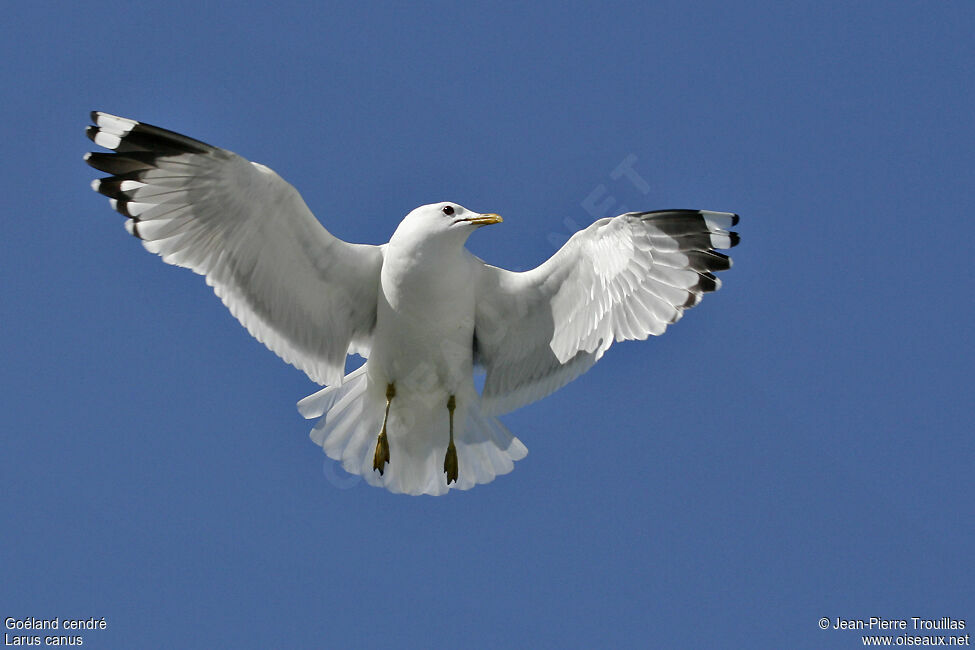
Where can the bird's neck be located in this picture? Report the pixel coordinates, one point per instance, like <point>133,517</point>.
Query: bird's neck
<point>412,264</point>
<point>416,250</point>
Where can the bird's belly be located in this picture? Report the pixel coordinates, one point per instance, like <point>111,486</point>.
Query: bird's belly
<point>425,344</point>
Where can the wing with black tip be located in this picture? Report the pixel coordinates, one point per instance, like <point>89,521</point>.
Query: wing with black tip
<point>622,278</point>
<point>304,293</point>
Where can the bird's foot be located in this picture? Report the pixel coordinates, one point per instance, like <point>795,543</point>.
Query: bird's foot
<point>450,460</point>
<point>381,457</point>
<point>450,463</point>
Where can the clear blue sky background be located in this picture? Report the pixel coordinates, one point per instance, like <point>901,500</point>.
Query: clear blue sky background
<point>799,446</point>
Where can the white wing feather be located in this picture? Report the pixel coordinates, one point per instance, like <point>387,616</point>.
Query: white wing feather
<point>622,278</point>
<point>304,293</point>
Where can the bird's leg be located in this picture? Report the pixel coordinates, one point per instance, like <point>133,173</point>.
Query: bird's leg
<point>450,460</point>
<point>381,457</point>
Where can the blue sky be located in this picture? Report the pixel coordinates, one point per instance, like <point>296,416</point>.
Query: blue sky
<point>799,446</point>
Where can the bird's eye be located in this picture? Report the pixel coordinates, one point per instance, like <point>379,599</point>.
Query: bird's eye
<point>448,210</point>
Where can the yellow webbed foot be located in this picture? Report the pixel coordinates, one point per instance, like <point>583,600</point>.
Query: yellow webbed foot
<point>381,457</point>
<point>450,463</point>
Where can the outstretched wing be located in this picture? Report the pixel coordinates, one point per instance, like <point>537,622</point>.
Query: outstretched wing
<point>622,278</point>
<point>304,293</point>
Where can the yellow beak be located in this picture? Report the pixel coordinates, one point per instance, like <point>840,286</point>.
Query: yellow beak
<point>485,219</point>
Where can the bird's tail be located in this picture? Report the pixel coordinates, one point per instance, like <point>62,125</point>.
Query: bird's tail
<point>350,417</point>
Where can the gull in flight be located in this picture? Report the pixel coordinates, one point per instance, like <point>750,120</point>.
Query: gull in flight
<point>421,309</point>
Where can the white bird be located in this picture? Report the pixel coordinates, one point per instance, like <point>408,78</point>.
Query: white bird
<point>421,309</point>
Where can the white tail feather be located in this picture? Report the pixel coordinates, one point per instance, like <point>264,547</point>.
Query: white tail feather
<point>350,417</point>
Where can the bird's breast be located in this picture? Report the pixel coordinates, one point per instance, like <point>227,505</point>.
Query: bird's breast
<point>425,320</point>
<point>414,283</point>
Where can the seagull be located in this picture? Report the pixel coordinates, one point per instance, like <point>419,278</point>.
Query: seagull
<point>422,310</point>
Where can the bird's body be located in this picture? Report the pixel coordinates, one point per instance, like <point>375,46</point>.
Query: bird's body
<point>421,309</point>
<point>425,314</point>
<point>422,344</point>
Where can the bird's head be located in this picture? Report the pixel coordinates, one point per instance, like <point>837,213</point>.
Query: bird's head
<point>443,221</point>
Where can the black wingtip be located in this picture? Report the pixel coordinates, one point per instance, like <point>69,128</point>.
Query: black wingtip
<point>734,239</point>
<point>91,160</point>
<point>141,137</point>
<point>127,164</point>
<point>734,219</point>
<point>122,207</point>
<point>708,282</point>
<point>110,187</point>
